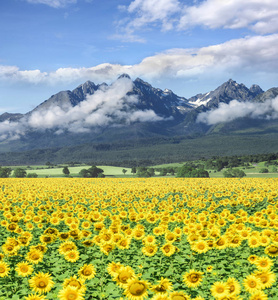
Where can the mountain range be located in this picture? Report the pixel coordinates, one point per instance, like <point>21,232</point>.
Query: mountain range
<point>134,111</point>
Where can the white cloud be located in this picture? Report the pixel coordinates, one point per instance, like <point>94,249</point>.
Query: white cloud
<point>235,109</point>
<point>251,54</point>
<point>259,16</point>
<point>53,3</point>
<point>149,11</point>
<point>108,106</point>
<point>256,15</point>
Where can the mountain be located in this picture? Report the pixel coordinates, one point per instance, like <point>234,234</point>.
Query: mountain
<point>135,112</point>
<point>225,93</point>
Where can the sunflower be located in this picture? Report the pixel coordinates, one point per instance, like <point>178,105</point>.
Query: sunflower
<point>200,246</point>
<point>24,269</point>
<point>149,250</point>
<point>163,286</point>
<point>72,256</point>
<point>264,240</point>
<point>220,289</point>
<point>221,243</point>
<point>34,256</point>
<point>40,247</point>
<point>138,234</point>
<point>35,297</point>
<point>235,241</point>
<point>4,269</point>
<point>234,286</point>
<point>252,284</point>
<point>259,295</point>
<point>71,293</point>
<point>87,271</point>
<point>47,238</point>
<point>263,263</point>
<point>136,289</point>
<point>272,250</point>
<point>124,243</point>
<point>88,243</point>
<point>209,268</point>
<point>267,278</point>
<point>253,242</point>
<point>106,248</point>
<point>113,268</point>
<point>178,296</point>
<point>63,236</point>
<point>170,237</point>
<point>252,258</point>
<point>149,240</point>
<point>193,278</point>
<point>168,249</point>
<point>73,281</point>
<point>67,246</point>
<point>41,283</point>
<point>123,275</point>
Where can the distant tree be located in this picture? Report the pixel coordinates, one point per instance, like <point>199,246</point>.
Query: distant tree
<point>230,173</point>
<point>263,170</point>
<point>92,172</point>
<point>163,172</point>
<point>133,170</point>
<point>124,171</point>
<point>66,171</point>
<point>48,164</point>
<point>32,175</point>
<point>145,172</point>
<point>191,172</point>
<point>5,172</point>
<point>151,171</point>
<point>19,173</point>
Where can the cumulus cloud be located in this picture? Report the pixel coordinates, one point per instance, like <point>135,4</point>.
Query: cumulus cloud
<point>235,109</point>
<point>108,106</point>
<point>259,16</point>
<point>252,54</point>
<point>53,3</point>
<point>149,11</point>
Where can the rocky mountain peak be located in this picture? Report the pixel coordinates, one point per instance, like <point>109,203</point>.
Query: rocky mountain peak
<point>256,89</point>
<point>124,75</point>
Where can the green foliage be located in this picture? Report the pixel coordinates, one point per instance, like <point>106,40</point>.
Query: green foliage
<point>19,173</point>
<point>5,172</point>
<point>165,171</point>
<point>145,172</point>
<point>66,171</point>
<point>190,171</point>
<point>154,151</point>
<point>124,171</point>
<point>234,173</point>
<point>32,175</point>
<point>273,169</point>
<point>92,172</point>
<point>263,170</point>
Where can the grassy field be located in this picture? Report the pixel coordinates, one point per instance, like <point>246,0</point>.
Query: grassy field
<point>111,171</point>
<point>74,171</point>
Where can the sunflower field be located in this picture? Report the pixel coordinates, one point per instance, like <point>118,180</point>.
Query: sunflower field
<point>136,239</point>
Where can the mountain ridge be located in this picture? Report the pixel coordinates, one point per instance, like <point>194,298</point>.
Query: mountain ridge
<point>135,110</point>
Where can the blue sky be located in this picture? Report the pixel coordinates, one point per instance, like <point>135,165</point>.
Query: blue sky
<point>187,46</point>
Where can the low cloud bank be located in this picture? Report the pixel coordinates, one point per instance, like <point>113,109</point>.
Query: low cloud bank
<point>235,109</point>
<point>109,106</point>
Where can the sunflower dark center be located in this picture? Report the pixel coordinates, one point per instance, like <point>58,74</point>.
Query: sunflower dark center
<point>137,289</point>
